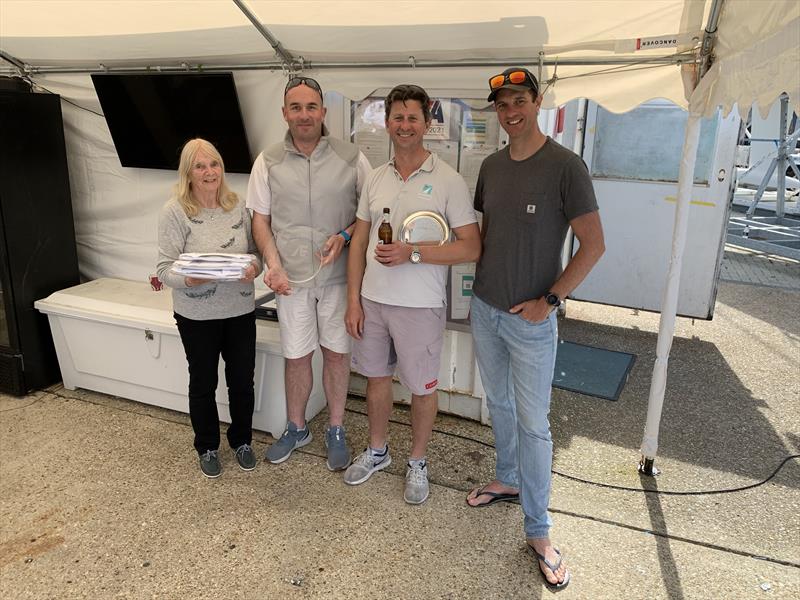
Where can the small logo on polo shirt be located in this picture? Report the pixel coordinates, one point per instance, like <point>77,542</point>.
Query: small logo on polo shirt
<point>530,209</point>
<point>427,189</point>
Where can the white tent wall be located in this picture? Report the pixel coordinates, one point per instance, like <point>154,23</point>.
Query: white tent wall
<point>116,208</point>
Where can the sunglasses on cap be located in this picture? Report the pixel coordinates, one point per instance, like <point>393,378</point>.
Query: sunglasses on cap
<point>514,77</point>
<point>295,81</point>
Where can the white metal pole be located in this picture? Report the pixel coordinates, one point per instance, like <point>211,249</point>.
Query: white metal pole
<point>780,182</point>
<point>669,305</point>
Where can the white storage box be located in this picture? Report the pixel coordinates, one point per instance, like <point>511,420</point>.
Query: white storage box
<point>120,337</point>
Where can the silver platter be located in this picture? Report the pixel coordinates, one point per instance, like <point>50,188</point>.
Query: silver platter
<point>426,228</point>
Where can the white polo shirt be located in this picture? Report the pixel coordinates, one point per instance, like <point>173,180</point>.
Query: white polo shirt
<point>436,187</point>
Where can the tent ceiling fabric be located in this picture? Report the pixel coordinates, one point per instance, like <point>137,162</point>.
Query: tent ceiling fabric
<point>577,20</point>
<point>757,50</point>
<point>319,31</point>
<point>122,33</point>
<point>757,57</point>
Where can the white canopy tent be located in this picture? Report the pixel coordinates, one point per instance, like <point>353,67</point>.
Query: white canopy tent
<point>618,53</point>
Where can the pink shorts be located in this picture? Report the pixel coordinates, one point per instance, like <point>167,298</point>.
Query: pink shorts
<point>408,339</point>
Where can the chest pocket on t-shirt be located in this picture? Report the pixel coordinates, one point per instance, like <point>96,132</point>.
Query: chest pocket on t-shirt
<point>529,208</point>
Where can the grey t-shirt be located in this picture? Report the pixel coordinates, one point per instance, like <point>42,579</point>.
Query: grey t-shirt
<point>527,206</point>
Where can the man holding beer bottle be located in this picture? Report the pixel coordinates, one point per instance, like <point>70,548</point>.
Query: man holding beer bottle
<point>396,300</point>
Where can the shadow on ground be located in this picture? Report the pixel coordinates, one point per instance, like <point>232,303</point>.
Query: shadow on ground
<point>709,418</point>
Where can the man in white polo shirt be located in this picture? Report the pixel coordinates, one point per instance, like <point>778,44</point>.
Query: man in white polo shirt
<point>396,300</point>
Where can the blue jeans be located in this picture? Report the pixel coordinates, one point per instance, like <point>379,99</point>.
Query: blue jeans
<point>516,361</point>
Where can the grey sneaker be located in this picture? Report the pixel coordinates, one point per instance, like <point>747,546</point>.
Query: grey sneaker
<point>209,464</point>
<point>417,488</point>
<point>245,457</point>
<point>338,453</point>
<point>365,465</point>
<point>291,439</point>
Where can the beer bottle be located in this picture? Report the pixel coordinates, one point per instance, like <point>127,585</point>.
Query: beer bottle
<point>385,230</point>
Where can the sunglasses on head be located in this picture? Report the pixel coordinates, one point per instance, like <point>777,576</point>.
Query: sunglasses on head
<point>295,81</point>
<point>515,77</point>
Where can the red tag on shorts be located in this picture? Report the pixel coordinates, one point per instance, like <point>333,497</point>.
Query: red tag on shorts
<point>432,384</point>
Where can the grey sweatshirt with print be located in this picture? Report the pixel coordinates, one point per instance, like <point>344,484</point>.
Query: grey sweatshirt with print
<point>211,230</point>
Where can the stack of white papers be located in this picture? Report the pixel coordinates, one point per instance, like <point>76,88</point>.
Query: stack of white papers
<point>216,266</point>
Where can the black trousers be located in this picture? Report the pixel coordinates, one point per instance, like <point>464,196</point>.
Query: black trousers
<point>234,339</point>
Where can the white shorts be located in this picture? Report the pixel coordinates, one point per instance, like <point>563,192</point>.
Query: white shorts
<point>312,317</point>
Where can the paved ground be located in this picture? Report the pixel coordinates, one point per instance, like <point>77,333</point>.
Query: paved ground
<point>100,497</point>
<point>743,265</point>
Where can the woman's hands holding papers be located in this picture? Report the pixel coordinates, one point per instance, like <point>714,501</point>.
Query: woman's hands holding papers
<point>250,273</point>
<point>193,281</point>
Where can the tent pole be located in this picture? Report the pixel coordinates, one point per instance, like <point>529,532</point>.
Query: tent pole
<point>670,59</point>
<point>21,66</point>
<point>286,57</point>
<point>669,304</point>
<point>709,35</point>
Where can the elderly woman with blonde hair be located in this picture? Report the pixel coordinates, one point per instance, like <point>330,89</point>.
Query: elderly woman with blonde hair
<point>215,318</point>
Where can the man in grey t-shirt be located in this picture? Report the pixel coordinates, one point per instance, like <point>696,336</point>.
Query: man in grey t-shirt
<point>529,194</point>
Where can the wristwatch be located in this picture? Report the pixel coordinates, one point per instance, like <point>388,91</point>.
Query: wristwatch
<point>415,257</point>
<point>552,299</point>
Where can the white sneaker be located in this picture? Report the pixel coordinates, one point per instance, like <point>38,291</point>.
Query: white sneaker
<point>417,488</point>
<point>365,465</point>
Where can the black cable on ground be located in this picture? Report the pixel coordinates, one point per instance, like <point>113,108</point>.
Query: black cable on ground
<point>609,485</point>
<point>692,493</point>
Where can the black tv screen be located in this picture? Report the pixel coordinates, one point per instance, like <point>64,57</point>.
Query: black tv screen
<point>151,117</point>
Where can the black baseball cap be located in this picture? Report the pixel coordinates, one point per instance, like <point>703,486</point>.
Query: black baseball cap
<point>513,78</point>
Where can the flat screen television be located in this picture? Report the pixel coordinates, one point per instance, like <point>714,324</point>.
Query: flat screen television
<point>152,115</point>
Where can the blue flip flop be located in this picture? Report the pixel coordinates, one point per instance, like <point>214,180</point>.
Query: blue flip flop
<point>555,587</point>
